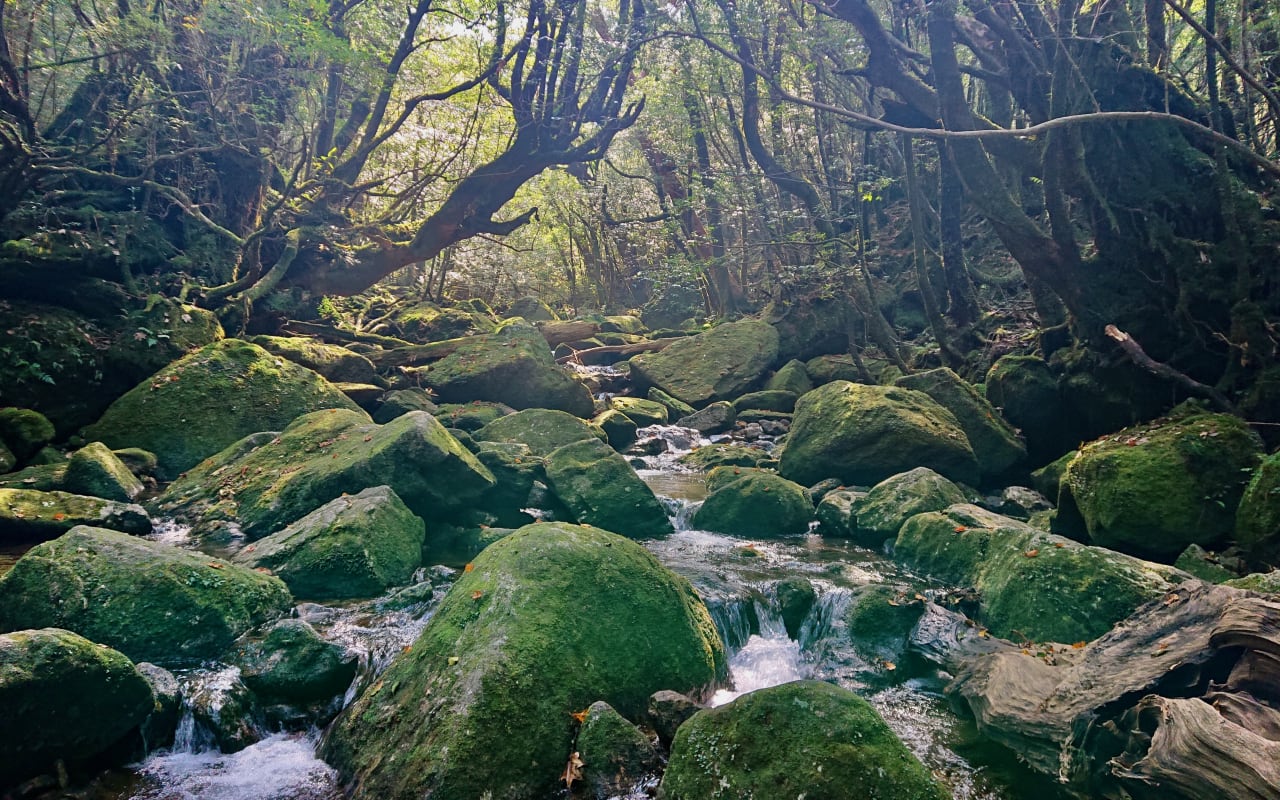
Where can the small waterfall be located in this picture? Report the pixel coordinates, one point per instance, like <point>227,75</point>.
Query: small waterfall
<point>678,441</point>
<point>184,738</point>
<point>680,511</point>
<point>735,620</point>
<point>826,619</point>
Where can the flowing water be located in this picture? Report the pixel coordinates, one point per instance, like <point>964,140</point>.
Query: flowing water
<point>738,578</point>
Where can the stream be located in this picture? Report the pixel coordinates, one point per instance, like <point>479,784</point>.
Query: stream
<point>738,579</point>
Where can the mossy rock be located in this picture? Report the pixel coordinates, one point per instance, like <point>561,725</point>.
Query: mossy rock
<point>1258,515</point>
<point>675,408</point>
<point>427,322</point>
<point>803,739</point>
<point>825,369</point>
<point>1200,563</point>
<point>24,432</point>
<point>28,515</point>
<point>1025,390</point>
<point>791,377</point>
<point>1265,582</point>
<point>263,483</point>
<point>619,429</point>
<point>549,620</point>
<point>152,602</point>
<point>542,429</point>
<point>532,309</point>
<point>810,326</point>
<point>769,400</point>
<point>95,471</point>
<point>719,364</point>
<point>354,546</point>
<point>600,488</point>
<point>995,442</point>
<point>708,457</point>
<point>880,620</point>
<point>1048,479</point>
<point>517,472</point>
<point>40,478</point>
<point>880,513</point>
<point>1152,490</point>
<point>513,366</point>
<point>717,417</point>
<point>401,401</point>
<point>622,323</point>
<point>337,364</point>
<point>835,513</point>
<point>470,416</point>
<point>138,461</point>
<point>1031,584</point>
<point>65,698</point>
<point>616,754</point>
<point>796,597</point>
<point>642,412</point>
<point>291,663</point>
<point>863,434</point>
<point>208,400</point>
<point>750,502</point>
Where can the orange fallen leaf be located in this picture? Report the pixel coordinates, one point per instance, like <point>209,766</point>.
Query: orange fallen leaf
<point>1173,598</point>
<point>476,595</point>
<point>960,529</point>
<point>368,438</point>
<point>580,716</point>
<point>263,570</point>
<point>59,517</point>
<point>251,548</point>
<point>468,567</point>
<point>1059,544</point>
<point>1032,553</point>
<point>1026,652</point>
<point>215,565</point>
<point>889,665</point>
<point>1077,645</point>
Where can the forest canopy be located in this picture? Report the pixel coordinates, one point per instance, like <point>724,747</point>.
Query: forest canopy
<point>913,167</point>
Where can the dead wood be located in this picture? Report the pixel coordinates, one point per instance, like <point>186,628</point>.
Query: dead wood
<point>600,355</point>
<point>557,332</point>
<point>328,333</point>
<point>1139,356</point>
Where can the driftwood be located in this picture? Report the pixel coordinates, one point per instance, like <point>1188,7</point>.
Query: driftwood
<point>328,333</point>
<point>557,332</point>
<point>1178,701</point>
<point>602,355</point>
<point>1139,356</point>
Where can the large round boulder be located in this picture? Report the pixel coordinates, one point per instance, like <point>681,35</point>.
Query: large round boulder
<point>880,513</point>
<point>1153,489</point>
<point>542,429</point>
<point>291,663</point>
<point>337,364</point>
<point>65,698</point>
<point>1258,517</point>
<point>863,434</point>
<point>1026,392</point>
<point>547,621</point>
<point>151,601</point>
<point>600,488</point>
<point>803,739</point>
<point>96,471</point>
<point>719,364</point>
<point>995,442</point>
<point>753,502</point>
<point>266,481</point>
<point>208,400</point>
<point>353,546</point>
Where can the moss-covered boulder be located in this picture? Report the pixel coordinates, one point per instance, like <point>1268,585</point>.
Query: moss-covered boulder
<point>719,364</point>
<point>1153,489</point>
<point>24,432</point>
<point>825,369</point>
<point>208,400</point>
<point>615,754</point>
<point>265,482</point>
<point>1048,478</point>
<point>880,618</point>
<point>619,429</point>
<point>1265,582</point>
<point>353,546</point>
<point>995,442</point>
<point>96,471</point>
<point>152,602</point>
<point>65,698</point>
<point>864,434</point>
<point>708,457</point>
<point>291,663</point>
<point>513,366</point>
<point>337,364</point>
<point>803,739</point>
<point>675,408</point>
<point>752,502</point>
<point>1258,516</point>
<point>470,416</point>
<point>880,513</point>
<point>542,429</point>
<point>549,620</point>
<point>791,377</point>
<point>399,402</point>
<point>1026,392</point>
<point>769,400</point>
<point>8,461</point>
<point>532,309</point>
<point>642,412</point>
<point>796,597</point>
<point>717,417</point>
<point>27,515</point>
<point>1031,584</point>
<point>600,488</point>
<point>835,513</point>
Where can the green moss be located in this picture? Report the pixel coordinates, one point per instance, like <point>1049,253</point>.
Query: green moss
<point>1258,516</point>
<point>863,434</point>
<point>675,408</point>
<point>28,515</point>
<point>470,416</point>
<point>880,620</point>
<point>618,428</point>
<point>709,457</point>
<point>750,502</point>
<point>641,412</point>
<point>616,753</point>
<point>65,698</point>
<point>353,546</point>
<point>24,431</point>
<point>1152,490</point>
<point>293,664</point>
<point>769,400</point>
<point>206,401</point>
<point>543,430</point>
<point>791,377</point>
<point>94,470</point>
<point>717,365</point>
<point>1026,392</point>
<point>600,488</point>
<point>880,513</point>
<point>402,401</point>
<point>995,442</point>
<point>835,513</point>
<point>549,620</point>
<point>803,739</point>
<point>1048,479</point>
<point>532,309</point>
<point>337,364</point>
<point>152,602</point>
<point>265,482</point>
<point>1266,582</point>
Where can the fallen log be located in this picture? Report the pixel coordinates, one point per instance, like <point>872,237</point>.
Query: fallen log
<point>330,334</point>
<point>599,355</point>
<point>1126,715</point>
<point>414,354</point>
<point>558,332</point>
<point>1139,356</point>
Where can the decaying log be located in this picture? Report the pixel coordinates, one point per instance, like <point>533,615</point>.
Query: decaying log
<point>1124,715</point>
<point>328,333</point>
<point>597,355</point>
<point>417,353</point>
<point>1139,356</point>
<point>557,332</point>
